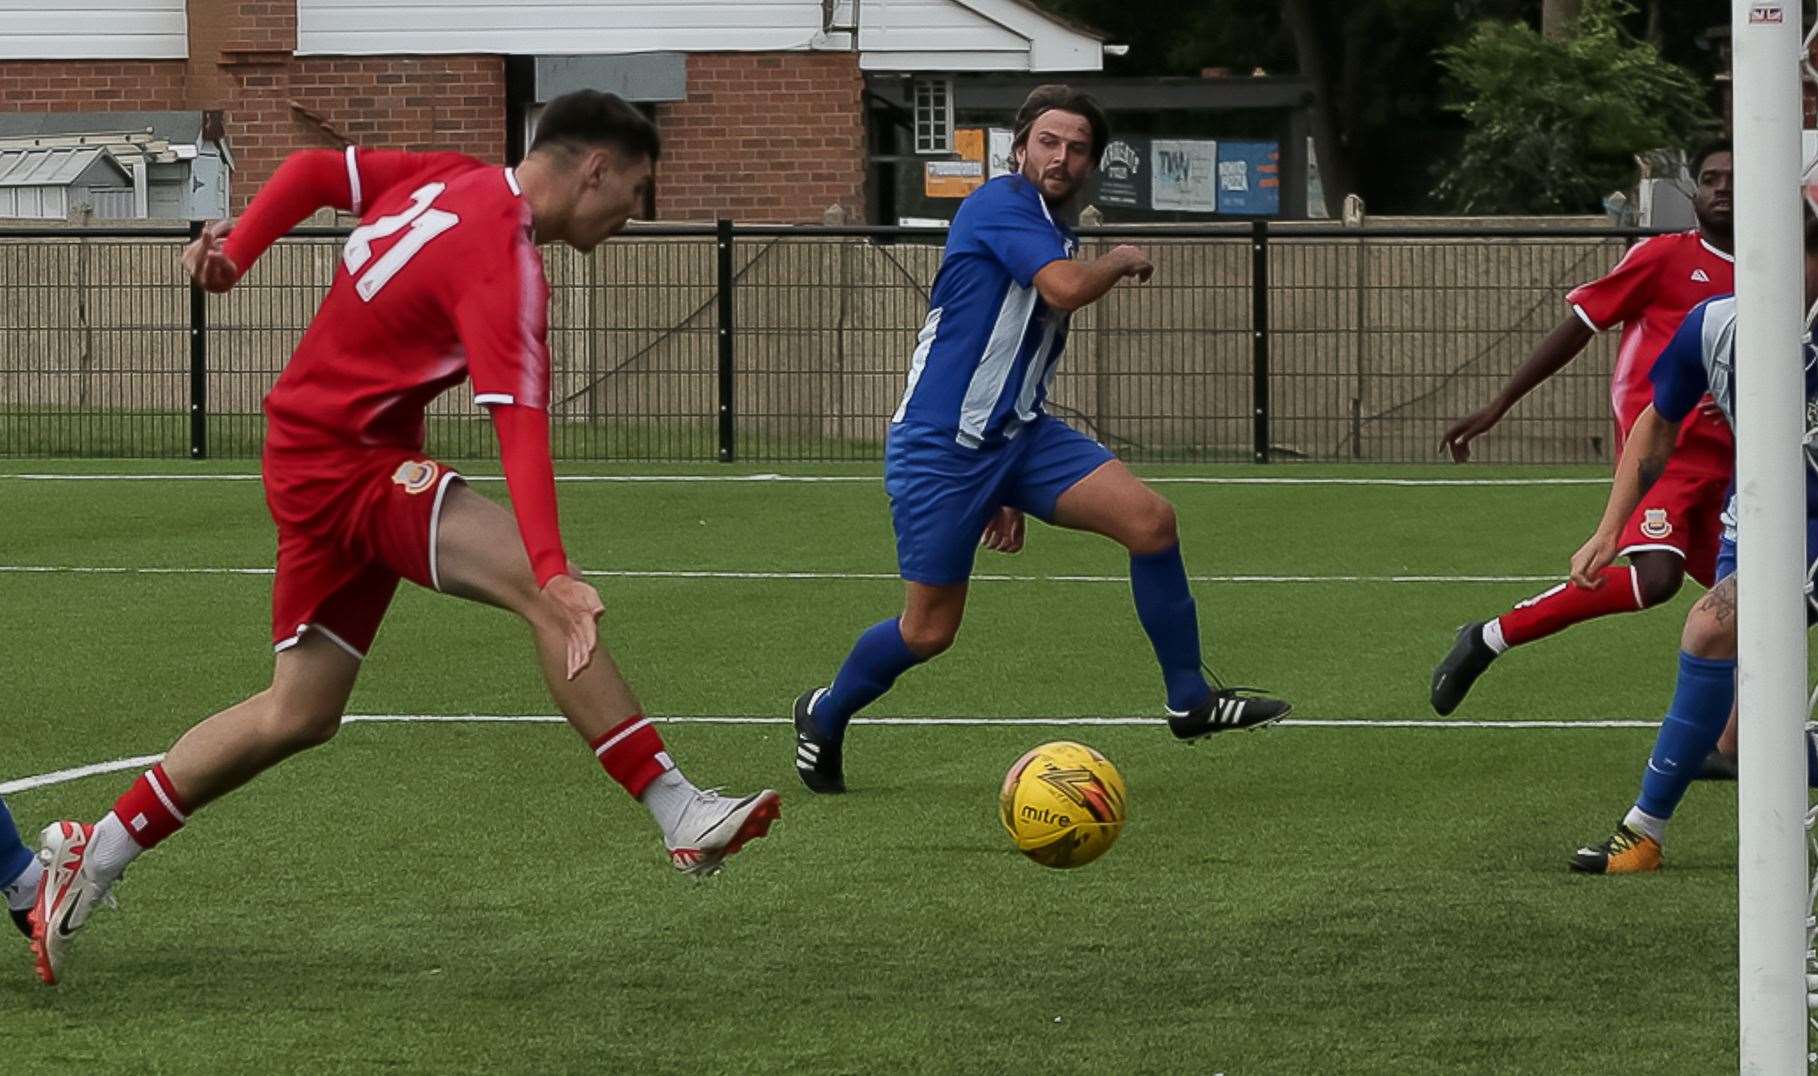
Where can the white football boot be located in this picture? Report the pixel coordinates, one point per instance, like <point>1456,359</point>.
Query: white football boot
<point>713,827</point>
<point>67,896</point>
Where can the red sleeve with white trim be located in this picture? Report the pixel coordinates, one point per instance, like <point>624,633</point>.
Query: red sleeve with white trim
<point>503,319</point>
<point>530,476</point>
<point>304,183</point>
<point>1622,294</point>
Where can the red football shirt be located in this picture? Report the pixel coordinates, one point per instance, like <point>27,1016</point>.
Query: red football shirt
<point>441,281</point>
<point>1649,293</point>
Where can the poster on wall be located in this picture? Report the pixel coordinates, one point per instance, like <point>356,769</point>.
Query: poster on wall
<point>998,150</point>
<point>956,179</point>
<point>1181,175</point>
<point>1123,174</point>
<point>1249,178</point>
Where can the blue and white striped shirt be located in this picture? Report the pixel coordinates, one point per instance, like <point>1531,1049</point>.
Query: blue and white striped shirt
<point>1701,358</point>
<point>987,351</point>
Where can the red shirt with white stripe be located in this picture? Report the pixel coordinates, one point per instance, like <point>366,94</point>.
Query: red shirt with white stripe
<point>441,282</point>
<point>1649,293</point>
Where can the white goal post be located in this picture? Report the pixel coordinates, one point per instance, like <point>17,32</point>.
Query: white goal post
<point>1774,902</point>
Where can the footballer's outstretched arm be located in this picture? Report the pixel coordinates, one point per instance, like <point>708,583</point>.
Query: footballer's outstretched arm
<point>1644,459</point>
<point>1551,355</point>
<point>307,181</point>
<point>1067,285</point>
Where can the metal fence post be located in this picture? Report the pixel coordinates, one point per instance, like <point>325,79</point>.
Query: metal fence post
<point>198,363</point>
<point>727,448</point>
<point>1259,339</point>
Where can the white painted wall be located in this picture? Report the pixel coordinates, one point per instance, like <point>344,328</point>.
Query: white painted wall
<point>894,35</point>
<point>553,27</point>
<point>969,35</point>
<point>93,30</point>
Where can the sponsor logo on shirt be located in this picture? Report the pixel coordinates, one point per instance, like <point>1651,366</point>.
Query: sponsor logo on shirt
<point>1654,524</point>
<point>1699,276</point>
<point>416,475</point>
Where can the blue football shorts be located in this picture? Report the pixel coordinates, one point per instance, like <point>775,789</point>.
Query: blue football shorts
<point>1726,560</point>
<point>942,495</point>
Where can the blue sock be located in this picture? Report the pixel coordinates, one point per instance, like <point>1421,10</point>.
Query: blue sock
<point>1701,705</point>
<point>877,659</point>
<point>14,857</point>
<point>1164,604</point>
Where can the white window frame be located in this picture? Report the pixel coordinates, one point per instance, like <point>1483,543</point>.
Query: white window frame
<point>933,108</point>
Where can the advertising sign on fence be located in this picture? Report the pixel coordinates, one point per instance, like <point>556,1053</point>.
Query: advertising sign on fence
<point>1249,178</point>
<point>1181,175</point>
<point>1123,173</point>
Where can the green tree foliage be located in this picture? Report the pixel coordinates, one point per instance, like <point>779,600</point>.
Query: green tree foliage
<point>1553,126</point>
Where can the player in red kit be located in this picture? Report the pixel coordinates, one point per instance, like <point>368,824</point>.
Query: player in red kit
<point>440,283</point>
<point>1675,530</point>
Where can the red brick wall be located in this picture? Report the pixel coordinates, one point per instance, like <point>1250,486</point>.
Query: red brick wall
<point>764,137</point>
<point>89,85</point>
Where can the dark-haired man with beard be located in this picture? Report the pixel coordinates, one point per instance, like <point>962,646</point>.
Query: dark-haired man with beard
<point>971,449</point>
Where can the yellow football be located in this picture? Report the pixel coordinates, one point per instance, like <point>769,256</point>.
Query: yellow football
<point>1063,804</point>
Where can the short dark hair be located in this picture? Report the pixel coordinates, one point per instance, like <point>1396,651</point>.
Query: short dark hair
<point>588,118</point>
<point>1067,99</point>
<point>1705,152</point>
<point>1811,232</point>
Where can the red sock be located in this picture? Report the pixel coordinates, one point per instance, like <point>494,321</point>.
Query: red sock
<point>150,809</point>
<point>1568,604</point>
<point>632,752</point>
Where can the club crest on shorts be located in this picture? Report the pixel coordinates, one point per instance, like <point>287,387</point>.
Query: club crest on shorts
<point>1654,524</point>
<point>416,475</point>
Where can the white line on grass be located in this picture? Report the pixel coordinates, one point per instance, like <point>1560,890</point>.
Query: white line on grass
<point>630,573</point>
<point>57,777</point>
<point>803,479</point>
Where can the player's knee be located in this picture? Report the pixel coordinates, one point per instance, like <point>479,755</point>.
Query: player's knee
<point>926,638</point>
<point>1707,635</point>
<point>1658,579</point>
<point>1155,530</point>
<point>306,727</point>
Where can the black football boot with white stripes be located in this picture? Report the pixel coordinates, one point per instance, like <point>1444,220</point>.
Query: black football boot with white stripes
<point>817,757</point>
<point>1226,710</point>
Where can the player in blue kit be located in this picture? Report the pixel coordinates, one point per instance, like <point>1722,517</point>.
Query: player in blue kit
<point>971,449</point>
<point>19,873</point>
<point>1700,359</point>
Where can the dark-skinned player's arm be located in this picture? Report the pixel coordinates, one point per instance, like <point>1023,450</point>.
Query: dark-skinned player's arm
<point>1680,382</point>
<point>503,319</point>
<point>1554,352</point>
<point>1619,296</point>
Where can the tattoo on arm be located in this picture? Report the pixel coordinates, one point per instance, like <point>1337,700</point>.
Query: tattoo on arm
<point>1720,601</point>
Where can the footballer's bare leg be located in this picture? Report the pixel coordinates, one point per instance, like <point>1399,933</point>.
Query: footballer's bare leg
<point>302,708</point>
<point>480,556</point>
<point>1115,503</point>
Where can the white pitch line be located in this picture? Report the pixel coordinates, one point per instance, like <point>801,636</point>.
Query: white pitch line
<point>1176,480</point>
<point>74,773</point>
<point>982,577</point>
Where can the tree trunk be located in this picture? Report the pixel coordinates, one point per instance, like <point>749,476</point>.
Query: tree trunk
<point>1337,171</point>
<point>1557,17</point>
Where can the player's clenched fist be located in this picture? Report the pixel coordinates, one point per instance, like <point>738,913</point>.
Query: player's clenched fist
<point>206,263</point>
<point>1133,262</point>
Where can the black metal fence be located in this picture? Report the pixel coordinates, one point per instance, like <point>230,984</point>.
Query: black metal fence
<point>1253,342</point>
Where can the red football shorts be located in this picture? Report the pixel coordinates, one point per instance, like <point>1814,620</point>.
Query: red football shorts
<point>1682,513</point>
<point>350,525</point>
